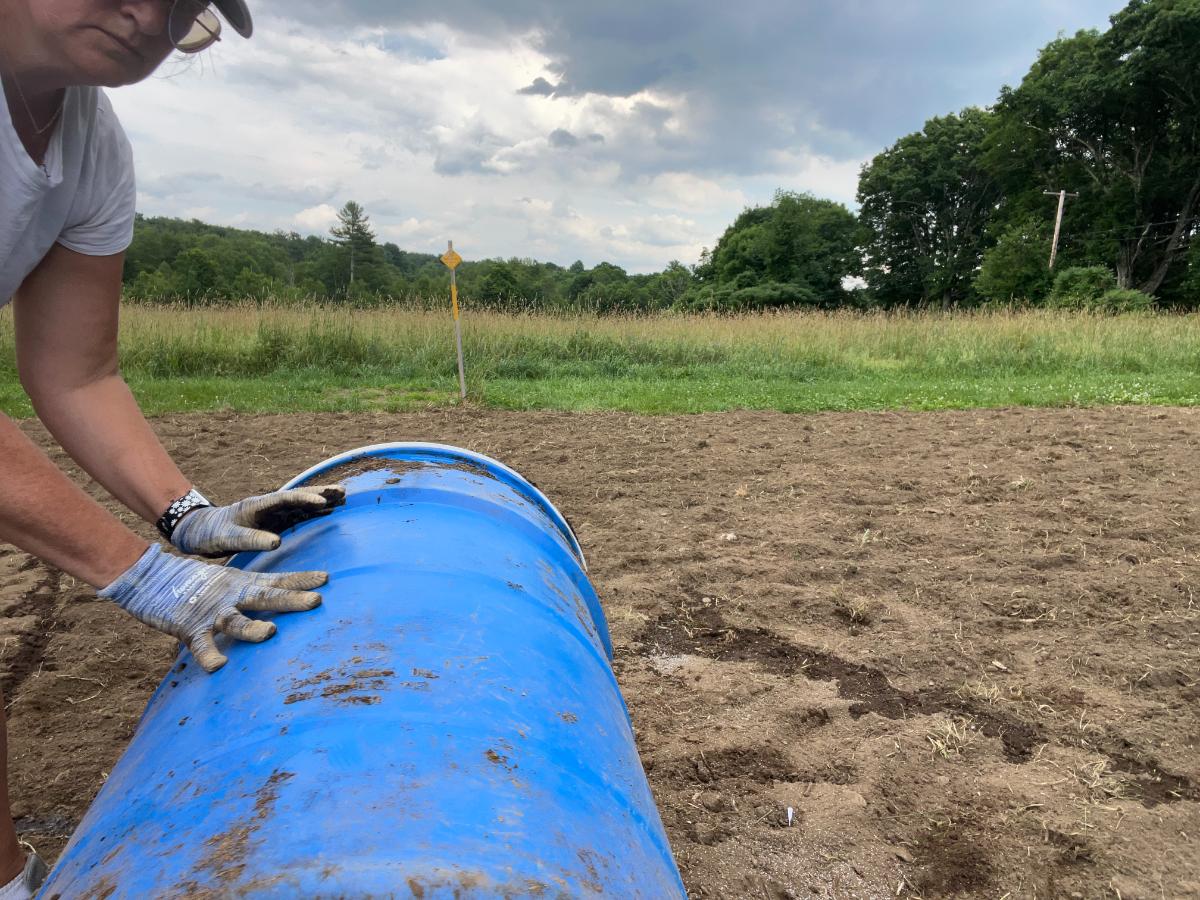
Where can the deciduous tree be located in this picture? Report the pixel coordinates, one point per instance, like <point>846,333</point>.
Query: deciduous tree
<point>796,252</point>
<point>925,207</point>
<point>1114,116</point>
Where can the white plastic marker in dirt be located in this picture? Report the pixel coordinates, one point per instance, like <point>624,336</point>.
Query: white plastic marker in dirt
<point>450,260</point>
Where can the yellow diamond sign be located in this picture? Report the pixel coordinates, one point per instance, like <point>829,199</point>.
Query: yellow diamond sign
<point>451,259</point>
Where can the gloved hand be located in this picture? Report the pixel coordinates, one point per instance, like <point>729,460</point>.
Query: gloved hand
<point>253,523</point>
<point>190,600</point>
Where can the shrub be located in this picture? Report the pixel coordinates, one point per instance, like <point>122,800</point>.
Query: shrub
<point>1189,284</point>
<point>1119,300</point>
<point>1015,269</point>
<point>1081,287</point>
<point>774,294</point>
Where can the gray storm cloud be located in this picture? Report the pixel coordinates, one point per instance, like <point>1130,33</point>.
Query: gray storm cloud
<point>539,88</point>
<point>636,130</point>
<point>836,79</point>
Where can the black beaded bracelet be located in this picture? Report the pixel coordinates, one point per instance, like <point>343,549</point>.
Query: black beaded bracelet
<point>179,508</point>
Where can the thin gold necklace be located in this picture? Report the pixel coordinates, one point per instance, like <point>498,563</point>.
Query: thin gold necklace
<point>29,112</point>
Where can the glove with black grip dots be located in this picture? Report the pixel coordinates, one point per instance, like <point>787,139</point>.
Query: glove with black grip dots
<point>253,523</point>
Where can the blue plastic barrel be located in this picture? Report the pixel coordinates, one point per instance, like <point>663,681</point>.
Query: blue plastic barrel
<point>447,724</point>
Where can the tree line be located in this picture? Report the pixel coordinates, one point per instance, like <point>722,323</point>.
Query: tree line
<point>172,260</point>
<point>960,213</point>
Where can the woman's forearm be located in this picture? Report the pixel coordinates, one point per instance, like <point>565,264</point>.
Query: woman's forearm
<point>100,425</point>
<point>44,513</point>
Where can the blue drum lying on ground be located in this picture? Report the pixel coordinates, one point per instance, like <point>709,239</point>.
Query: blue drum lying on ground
<point>447,724</point>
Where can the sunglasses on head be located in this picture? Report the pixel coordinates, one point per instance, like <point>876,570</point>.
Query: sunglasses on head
<point>192,25</point>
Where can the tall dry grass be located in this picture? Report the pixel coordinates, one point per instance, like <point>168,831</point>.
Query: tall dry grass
<point>878,360</point>
<point>254,340</point>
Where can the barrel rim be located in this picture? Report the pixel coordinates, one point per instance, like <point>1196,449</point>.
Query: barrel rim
<point>456,452</point>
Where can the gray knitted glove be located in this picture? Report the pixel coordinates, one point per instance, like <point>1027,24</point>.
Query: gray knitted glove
<point>190,600</point>
<point>253,523</point>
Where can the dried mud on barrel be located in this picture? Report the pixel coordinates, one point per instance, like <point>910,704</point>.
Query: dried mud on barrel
<point>963,649</point>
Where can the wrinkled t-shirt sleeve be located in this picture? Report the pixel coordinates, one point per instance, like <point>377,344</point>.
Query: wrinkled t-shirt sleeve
<point>101,220</point>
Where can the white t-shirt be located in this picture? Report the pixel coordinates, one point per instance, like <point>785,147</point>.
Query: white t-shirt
<point>82,196</point>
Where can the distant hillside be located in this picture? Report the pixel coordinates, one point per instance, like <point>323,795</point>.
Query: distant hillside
<point>795,252</point>
<point>173,260</point>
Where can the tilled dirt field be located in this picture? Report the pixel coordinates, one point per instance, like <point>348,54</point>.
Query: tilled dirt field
<point>962,648</point>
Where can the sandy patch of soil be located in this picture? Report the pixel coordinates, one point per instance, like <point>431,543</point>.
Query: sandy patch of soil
<point>962,648</point>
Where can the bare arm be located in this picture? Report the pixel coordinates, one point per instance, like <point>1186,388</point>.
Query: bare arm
<point>66,317</point>
<point>45,513</point>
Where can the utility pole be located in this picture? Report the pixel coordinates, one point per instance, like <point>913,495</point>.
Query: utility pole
<point>1062,201</point>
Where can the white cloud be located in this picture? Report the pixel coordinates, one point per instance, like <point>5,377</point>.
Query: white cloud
<point>203,213</point>
<point>639,144</point>
<point>819,175</point>
<point>435,145</point>
<point>399,231</point>
<point>686,191</point>
<point>662,230</point>
<point>316,218</point>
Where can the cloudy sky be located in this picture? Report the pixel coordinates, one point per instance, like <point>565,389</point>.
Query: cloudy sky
<point>631,131</point>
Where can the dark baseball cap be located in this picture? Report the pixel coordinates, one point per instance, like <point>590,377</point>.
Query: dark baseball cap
<point>237,15</point>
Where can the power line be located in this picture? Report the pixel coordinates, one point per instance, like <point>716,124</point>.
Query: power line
<point>1142,227</point>
<point>1074,236</point>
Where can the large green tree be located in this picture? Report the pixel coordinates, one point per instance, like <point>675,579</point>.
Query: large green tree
<point>353,233</point>
<point>796,252</point>
<point>1114,117</point>
<point>925,207</point>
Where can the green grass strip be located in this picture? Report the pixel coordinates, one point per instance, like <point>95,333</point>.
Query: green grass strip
<point>281,359</point>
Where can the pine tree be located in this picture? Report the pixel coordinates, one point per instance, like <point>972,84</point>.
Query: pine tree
<point>354,232</point>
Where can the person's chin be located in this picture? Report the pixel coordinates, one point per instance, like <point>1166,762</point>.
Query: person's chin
<point>103,70</point>
<point>109,73</point>
<point>106,63</point>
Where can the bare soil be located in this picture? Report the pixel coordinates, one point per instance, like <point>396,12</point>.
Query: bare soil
<point>960,648</point>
